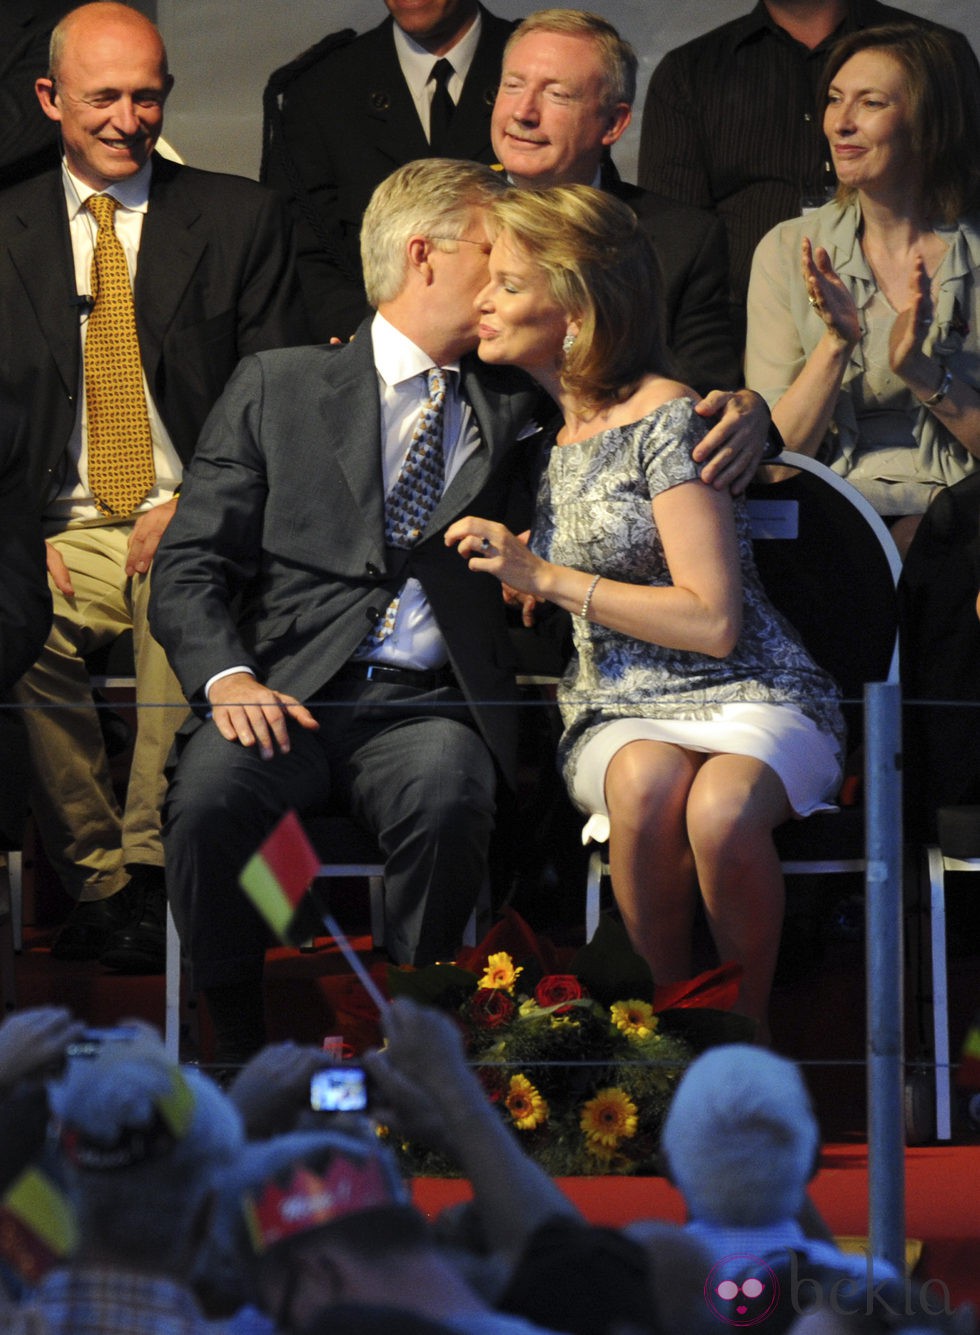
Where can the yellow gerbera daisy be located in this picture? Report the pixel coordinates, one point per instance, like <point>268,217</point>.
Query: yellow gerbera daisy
<point>608,1118</point>
<point>525,1104</point>
<point>500,972</point>
<point>636,1019</point>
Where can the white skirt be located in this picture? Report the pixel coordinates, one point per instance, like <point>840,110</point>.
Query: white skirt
<point>781,736</point>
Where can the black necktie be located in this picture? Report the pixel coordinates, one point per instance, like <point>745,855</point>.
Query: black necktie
<point>442,108</point>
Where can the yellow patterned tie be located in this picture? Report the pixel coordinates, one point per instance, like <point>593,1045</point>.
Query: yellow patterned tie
<point>120,450</point>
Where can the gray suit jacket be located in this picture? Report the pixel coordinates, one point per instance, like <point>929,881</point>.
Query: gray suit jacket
<point>276,558</point>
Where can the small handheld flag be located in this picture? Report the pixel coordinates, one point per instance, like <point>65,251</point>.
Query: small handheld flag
<point>277,877</point>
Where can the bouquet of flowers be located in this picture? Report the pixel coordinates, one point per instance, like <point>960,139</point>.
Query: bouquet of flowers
<point>582,1075</point>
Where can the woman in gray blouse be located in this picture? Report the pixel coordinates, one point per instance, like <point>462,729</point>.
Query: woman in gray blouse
<point>862,315</point>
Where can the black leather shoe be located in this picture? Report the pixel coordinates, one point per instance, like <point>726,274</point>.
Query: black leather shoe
<point>87,929</point>
<point>140,945</point>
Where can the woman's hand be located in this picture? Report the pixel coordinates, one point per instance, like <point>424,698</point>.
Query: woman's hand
<point>493,548</point>
<point>829,297</point>
<point>910,328</point>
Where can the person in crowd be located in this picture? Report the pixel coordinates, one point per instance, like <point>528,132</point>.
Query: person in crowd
<point>306,564</point>
<point>565,99</point>
<point>37,1226</point>
<point>566,96</point>
<point>141,1141</point>
<point>25,613</point>
<point>694,720</point>
<point>33,1046</point>
<point>863,315</point>
<point>25,602</point>
<point>420,84</point>
<point>732,120</point>
<point>322,1218</point>
<point>741,1144</point>
<point>28,140</point>
<point>130,287</point>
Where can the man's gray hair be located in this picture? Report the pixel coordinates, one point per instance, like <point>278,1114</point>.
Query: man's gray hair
<point>740,1137</point>
<point>619,62</point>
<point>431,197</point>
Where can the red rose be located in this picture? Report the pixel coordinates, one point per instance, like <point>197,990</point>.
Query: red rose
<point>490,1008</point>
<point>555,988</point>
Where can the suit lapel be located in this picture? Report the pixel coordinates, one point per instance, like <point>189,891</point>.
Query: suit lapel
<point>388,111</point>
<point>170,252</point>
<point>495,419</point>
<point>350,410</point>
<point>469,130</point>
<point>42,257</point>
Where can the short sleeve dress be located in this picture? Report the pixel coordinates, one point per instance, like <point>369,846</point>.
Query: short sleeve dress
<point>767,699</point>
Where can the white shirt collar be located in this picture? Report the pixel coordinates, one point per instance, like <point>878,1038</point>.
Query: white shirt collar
<point>132,193</point>
<point>396,357</point>
<point>416,63</point>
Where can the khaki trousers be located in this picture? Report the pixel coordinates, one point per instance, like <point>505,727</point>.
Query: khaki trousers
<point>86,836</point>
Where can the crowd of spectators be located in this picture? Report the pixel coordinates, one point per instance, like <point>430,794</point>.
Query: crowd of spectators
<point>138,1196</point>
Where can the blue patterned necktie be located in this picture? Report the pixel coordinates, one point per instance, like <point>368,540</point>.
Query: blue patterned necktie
<point>417,490</point>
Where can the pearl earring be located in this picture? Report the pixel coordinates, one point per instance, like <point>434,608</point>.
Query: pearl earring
<point>567,343</point>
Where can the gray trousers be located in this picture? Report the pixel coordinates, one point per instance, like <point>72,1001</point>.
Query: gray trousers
<point>408,764</point>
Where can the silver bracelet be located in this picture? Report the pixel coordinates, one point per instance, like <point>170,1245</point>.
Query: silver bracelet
<point>944,387</point>
<point>588,598</point>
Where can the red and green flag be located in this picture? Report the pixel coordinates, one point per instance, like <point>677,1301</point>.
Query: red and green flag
<point>278,876</point>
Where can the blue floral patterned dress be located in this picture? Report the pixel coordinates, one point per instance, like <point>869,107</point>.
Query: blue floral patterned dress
<point>595,513</point>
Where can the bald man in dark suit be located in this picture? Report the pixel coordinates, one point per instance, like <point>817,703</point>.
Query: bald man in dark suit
<point>211,278</point>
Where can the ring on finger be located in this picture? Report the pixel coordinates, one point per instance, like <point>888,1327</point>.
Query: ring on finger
<point>485,544</point>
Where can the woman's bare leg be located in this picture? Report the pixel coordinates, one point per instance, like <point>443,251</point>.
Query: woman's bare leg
<point>650,860</point>
<point>734,804</point>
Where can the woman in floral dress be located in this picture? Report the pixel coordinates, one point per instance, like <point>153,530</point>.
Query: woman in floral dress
<point>695,722</point>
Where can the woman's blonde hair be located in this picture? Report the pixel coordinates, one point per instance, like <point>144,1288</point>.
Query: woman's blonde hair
<point>601,271</point>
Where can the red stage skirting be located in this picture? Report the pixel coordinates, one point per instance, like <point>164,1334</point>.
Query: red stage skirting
<point>942,1207</point>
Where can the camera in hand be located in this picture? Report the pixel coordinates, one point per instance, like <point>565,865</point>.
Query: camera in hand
<point>342,1088</point>
<point>89,1043</point>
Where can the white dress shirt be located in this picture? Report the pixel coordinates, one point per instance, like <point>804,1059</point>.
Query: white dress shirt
<point>417,65</point>
<point>415,641</point>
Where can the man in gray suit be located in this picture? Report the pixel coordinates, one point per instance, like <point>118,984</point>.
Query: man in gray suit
<point>272,595</point>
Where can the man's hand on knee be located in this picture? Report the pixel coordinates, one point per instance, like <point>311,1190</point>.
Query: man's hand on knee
<point>245,711</point>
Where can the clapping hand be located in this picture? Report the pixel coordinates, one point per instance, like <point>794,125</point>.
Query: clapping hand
<point>911,326</point>
<point>829,297</point>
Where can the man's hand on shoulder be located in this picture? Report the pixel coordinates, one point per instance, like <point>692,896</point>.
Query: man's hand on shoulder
<point>145,538</point>
<point>732,449</point>
<point>245,711</point>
